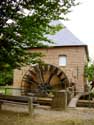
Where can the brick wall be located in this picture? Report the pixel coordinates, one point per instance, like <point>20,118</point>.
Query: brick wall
<point>76,59</point>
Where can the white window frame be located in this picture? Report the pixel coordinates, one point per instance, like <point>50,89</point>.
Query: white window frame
<point>62,60</point>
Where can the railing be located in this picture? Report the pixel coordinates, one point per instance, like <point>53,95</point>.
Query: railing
<point>86,99</point>
<point>7,90</point>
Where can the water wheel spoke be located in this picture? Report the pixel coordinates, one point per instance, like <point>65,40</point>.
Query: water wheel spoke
<point>32,72</point>
<point>59,74</point>
<point>53,72</point>
<point>28,81</point>
<point>45,68</point>
<point>63,78</point>
<point>36,68</point>
<point>30,78</point>
<point>51,68</point>
<point>41,73</point>
<point>38,73</point>
<point>34,81</point>
<point>63,83</point>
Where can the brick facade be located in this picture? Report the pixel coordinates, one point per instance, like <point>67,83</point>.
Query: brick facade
<point>76,60</point>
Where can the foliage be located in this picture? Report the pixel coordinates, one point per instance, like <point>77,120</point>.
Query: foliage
<point>23,24</point>
<point>89,72</point>
<point>6,77</point>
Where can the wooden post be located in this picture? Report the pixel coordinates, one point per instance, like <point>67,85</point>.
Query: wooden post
<point>30,106</point>
<point>0,106</point>
<point>5,91</point>
<point>60,100</point>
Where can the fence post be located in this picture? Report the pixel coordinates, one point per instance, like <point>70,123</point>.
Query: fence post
<point>0,105</point>
<point>89,102</point>
<point>16,91</point>
<point>30,106</point>
<point>60,100</point>
<point>5,91</point>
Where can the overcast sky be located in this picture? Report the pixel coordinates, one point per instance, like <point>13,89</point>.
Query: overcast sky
<point>81,23</point>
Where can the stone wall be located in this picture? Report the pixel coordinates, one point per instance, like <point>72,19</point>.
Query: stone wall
<point>76,60</point>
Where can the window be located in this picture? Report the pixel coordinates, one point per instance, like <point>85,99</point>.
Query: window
<point>62,60</point>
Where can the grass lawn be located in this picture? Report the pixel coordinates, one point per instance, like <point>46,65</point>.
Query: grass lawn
<point>5,91</point>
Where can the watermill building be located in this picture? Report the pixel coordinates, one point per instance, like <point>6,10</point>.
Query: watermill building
<point>67,53</point>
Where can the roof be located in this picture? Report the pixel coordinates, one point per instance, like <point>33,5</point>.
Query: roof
<point>64,38</point>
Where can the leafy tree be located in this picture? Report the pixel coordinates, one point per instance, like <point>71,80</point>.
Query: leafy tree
<point>6,77</point>
<point>23,24</point>
<point>29,23</point>
<point>89,72</point>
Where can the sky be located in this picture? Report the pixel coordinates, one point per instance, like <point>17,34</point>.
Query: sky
<point>81,23</point>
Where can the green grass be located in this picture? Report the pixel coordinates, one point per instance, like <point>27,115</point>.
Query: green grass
<point>5,91</point>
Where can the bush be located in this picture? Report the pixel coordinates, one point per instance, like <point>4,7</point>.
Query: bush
<point>6,77</point>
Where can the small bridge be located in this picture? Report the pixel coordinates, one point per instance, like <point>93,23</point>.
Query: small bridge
<point>74,100</point>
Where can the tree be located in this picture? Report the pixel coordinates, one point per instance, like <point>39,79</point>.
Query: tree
<point>23,24</point>
<point>89,72</point>
<point>30,21</point>
<point>6,77</point>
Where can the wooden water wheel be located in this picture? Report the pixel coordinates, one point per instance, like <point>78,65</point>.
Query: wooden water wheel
<point>44,78</point>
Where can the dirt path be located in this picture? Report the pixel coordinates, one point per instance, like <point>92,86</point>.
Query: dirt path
<point>45,116</point>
